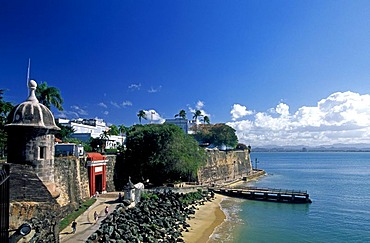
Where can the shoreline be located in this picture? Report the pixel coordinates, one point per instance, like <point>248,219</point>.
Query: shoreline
<point>205,220</point>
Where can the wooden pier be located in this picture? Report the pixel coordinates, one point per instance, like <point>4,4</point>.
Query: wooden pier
<point>265,194</point>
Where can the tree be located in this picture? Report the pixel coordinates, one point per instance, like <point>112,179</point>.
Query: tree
<point>182,114</point>
<point>65,132</point>
<point>122,129</point>
<point>162,153</point>
<point>5,109</point>
<point>197,114</point>
<point>218,134</point>
<point>49,96</point>
<point>141,114</point>
<point>206,120</point>
<point>113,130</point>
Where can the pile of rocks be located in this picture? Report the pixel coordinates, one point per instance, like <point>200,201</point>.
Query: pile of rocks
<point>160,217</point>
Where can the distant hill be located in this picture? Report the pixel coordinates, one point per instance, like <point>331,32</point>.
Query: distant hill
<point>322,148</point>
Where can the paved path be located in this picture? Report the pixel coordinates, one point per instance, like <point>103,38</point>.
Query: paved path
<point>86,225</point>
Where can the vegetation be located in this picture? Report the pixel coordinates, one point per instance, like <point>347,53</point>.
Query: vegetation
<point>113,130</point>
<point>5,108</point>
<point>162,153</point>
<point>65,132</point>
<point>49,96</point>
<point>141,114</point>
<point>182,114</point>
<point>218,135</point>
<point>190,197</point>
<point>71,217</point>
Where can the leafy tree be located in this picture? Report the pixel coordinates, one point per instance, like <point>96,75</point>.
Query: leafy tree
<point>217,134</point>
<point>182,114</point>
<point>49,96</point>
<point>141,114</point>
<point>5,108</point>
<point>162,153</point>
<point>122,129</point>
<point>113,130</point>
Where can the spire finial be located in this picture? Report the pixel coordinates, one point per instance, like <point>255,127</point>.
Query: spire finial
<point>32,85</point>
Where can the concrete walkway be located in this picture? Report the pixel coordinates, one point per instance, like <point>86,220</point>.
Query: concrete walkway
<point>86,225</point>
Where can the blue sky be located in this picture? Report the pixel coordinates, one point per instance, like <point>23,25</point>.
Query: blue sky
<point>279,72</point>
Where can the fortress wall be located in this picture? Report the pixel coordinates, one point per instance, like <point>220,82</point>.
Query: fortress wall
<point>224,165</point>
<point>111,165</point>
<point>71,178</point>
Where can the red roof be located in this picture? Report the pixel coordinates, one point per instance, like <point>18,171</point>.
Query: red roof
<point>95,156</point>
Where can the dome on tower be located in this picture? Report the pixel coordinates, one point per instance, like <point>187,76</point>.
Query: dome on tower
<point>32,113</point>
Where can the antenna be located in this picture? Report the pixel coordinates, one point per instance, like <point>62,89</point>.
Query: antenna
<point>28,70</point>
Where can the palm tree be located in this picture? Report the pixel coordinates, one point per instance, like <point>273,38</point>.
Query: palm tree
<point>122,130</point>
<point>206,120</point>
<point>49,96</point>
<point>141,114</point>
<point>197,114</point>
<point>104,136</point>
<point>182,114</point>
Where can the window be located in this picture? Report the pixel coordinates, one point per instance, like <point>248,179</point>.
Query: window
<point>42,152</point>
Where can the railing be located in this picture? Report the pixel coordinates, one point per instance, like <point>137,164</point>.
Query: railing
<point>4,202</point>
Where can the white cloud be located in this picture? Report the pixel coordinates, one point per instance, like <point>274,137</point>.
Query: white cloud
<point>126,103</point>
<point>155,90</point>
<point>239,111</point>
<point>101,104</point>
<point>198,106</point>
<point>115,104</point>
<point>79,110</point>
<point>343,117</point>
<point>153,116</point>
<point>106,113</point>
<point>134,86</point>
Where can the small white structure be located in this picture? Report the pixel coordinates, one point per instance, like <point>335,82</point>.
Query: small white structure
<point>133,192</point>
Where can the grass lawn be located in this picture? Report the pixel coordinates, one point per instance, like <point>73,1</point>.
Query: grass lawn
<point>69,218</point>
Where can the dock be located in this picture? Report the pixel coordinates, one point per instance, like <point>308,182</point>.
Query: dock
<point>265,194</point>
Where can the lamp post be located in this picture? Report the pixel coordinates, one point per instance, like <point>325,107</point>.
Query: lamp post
<point>255,164</point>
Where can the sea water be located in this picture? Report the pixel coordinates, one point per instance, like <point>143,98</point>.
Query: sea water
<point>339,187</point>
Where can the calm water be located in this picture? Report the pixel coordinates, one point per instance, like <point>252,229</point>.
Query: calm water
<point>338,184</point>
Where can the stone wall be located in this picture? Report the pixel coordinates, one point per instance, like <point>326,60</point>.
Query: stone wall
<point>31,202</point>
<point>111,165</point>
<point>72,180</point>
<point>224,166</point>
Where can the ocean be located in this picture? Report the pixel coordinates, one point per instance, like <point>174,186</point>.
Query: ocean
<point>339,187</point>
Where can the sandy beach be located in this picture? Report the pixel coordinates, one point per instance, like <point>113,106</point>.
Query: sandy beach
<point>204,221</point>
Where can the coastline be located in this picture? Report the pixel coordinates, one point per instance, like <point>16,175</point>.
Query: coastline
<point>204,221</point>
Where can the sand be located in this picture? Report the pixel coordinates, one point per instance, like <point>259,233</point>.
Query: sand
<point>204,221</point>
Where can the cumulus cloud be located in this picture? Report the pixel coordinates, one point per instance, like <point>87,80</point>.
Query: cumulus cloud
<point>239,111</point>
<point>342,117</point>
<point>199,106</point>
<point>153,116</point>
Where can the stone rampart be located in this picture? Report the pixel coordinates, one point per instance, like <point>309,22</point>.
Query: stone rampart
<point>224,166</point>
<point>71,179</point>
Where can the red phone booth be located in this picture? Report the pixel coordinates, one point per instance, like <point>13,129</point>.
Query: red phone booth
<point>97,169</point>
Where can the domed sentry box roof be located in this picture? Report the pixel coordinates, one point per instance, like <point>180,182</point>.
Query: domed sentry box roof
<point>31,113</point>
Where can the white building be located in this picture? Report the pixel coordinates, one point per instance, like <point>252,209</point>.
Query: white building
<point>184,124</point>
<point>91,128</point>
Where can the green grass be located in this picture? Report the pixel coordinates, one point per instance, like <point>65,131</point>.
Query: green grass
<point>72,216</point>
